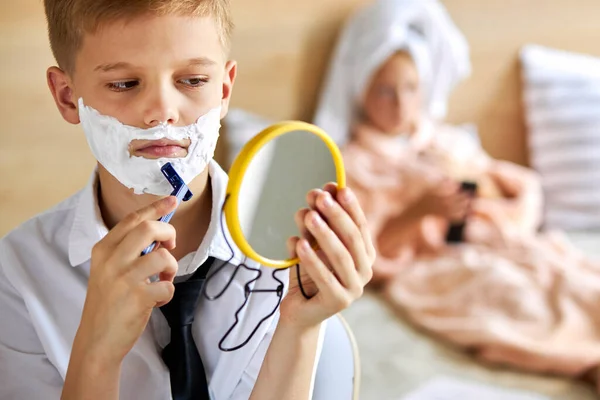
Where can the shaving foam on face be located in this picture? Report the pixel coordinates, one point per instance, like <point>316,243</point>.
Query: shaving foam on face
<point>109,141</point>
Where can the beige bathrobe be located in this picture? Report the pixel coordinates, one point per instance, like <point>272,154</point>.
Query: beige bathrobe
<point>510,294</point>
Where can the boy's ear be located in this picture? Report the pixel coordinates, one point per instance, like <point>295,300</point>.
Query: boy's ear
<point>60,86</point>
<point>228,81</point>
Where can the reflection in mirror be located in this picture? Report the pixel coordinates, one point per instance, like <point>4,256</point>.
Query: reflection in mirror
<point>274,188</point>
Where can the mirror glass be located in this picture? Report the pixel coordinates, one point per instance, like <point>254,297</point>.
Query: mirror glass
<point>274,188</point>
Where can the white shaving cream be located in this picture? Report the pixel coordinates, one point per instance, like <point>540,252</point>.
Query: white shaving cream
<point>109,141</point>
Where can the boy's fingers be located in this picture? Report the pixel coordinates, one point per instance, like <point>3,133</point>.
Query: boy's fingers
<point>311,198</point>
<point>144,234</point>
<point>291,245</point>
<point>338,254</point>
<point>161,292</point>
<point>321,276</point>
<point>350,204</point>
<point>313,195</point>
<point>151,212</point>
<point>159,262</point>
<point>299,219</point>
<point>331,188</point>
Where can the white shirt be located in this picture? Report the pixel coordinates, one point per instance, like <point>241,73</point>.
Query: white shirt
<point>44,271</point>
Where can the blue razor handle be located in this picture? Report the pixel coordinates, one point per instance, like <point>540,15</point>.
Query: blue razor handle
<point>180,191</point>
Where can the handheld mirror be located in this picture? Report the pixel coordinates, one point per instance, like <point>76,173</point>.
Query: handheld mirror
<point>268,184</point>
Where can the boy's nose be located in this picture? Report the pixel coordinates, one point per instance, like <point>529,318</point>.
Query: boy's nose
<point>163,116</point>
<point>160,110</point>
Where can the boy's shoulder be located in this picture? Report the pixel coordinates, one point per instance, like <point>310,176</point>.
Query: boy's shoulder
<point>49,228</point>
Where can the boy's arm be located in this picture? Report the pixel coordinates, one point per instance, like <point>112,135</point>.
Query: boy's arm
<point>287,370</point>
<point>333,276</point>
<point>277,357</point>
<point>119,301</point>
<point>91,377</point>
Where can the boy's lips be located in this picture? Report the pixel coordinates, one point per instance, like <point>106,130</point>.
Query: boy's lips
<point>159,148</point>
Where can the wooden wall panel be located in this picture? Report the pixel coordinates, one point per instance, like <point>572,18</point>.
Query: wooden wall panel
<point>282,48</point>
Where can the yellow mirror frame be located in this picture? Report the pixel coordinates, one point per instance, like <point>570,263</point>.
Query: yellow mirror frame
<point>238,170</point>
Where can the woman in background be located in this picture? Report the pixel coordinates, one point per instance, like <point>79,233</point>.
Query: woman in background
<point>514,295</point>
<point>408,171</point>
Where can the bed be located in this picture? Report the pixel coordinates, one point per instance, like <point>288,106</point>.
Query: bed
<point>397,358</point>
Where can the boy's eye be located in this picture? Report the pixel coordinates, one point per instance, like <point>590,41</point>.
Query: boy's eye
<point>194,82</point>
<point>122,86</point>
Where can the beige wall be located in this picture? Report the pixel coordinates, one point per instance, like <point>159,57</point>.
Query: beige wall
<point>290,50</point>
<point>42,158</point>
<point>282,48</point>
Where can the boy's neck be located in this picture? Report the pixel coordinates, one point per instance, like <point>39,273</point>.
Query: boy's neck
<point>191,220</point>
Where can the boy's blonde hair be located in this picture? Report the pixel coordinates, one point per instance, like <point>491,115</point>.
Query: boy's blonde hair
<point>68,20</point>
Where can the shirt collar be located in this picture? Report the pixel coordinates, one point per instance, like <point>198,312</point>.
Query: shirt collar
<point>89,228</point>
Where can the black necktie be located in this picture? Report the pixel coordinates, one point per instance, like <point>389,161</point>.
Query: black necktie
<point>188,379</point>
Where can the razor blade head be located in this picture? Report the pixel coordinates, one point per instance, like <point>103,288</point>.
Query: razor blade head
<point>180,189</point>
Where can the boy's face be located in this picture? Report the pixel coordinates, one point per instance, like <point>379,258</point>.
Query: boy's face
<point>393,99</point>
<point>146,71</point>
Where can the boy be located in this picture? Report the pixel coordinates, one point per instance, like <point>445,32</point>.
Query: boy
<point>150,80</point>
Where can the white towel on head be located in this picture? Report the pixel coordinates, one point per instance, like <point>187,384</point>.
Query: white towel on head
<point>371,36</point>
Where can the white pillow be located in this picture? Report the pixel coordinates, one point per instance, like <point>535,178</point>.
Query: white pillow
<point>562,109</point>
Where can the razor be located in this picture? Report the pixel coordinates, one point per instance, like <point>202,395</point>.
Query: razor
<point>180,191</point>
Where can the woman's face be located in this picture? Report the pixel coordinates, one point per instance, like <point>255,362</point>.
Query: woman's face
<point>393,100</point>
